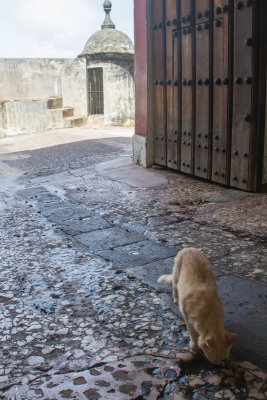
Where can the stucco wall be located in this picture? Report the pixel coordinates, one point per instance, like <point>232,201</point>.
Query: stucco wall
<point>31,77</point>
<point>118,86</point>
<point>74,87</point>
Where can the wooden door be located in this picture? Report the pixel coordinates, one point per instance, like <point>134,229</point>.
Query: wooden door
<point>95,83</point>
<point>207,92</point>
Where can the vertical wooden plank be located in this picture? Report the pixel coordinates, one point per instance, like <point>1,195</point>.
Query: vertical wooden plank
<point>187,125</point>
<point>202,11</point>
<point>203,84</point>
<point>221,8</point>
<point>221,115</point>
<point>171,22</point>
<point>159,126</point>
<point>177,96</point>
<point>242,95</point>
<point>186,12</point>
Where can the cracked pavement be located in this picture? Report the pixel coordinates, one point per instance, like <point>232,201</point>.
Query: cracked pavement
<point>84,235</point>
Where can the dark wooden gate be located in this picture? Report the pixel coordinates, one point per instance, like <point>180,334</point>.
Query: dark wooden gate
<point>207,88</point>
<point>95,83</point>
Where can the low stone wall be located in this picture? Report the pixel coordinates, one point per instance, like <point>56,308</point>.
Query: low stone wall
<point>28,116</point>
<point>31,77</point>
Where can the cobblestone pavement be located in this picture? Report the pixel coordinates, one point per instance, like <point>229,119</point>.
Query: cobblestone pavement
<point>84,235</point>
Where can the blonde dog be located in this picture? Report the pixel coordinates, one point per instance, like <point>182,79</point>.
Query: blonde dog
<point>195,290</point>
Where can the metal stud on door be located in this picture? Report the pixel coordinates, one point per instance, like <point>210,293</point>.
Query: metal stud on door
<point>186,14</point>
<point>202,11</point>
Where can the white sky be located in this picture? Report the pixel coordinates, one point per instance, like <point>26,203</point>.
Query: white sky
<point>56,28</point>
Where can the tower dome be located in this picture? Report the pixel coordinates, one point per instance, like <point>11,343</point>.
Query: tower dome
<point>108,40</point>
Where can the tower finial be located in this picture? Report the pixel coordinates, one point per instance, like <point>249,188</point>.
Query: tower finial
<point>107,22</point>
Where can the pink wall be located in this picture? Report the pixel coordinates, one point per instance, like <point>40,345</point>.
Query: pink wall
<point>140,36</point>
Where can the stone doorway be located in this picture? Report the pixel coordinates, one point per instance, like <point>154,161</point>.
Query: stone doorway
<point>96,98</point>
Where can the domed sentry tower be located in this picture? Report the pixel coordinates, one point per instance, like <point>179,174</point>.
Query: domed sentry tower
<point>109,56</point>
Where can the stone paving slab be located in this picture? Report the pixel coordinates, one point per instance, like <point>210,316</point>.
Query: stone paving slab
<point>111,165</point>
<point>252,327</point>
<point>149,273</point>
<point>241,298</point>
<point>39,193</point>
<point>90,224</point>
<point>107,238</point>
<point>138,253</point>
<point>135,176</point>
<point>67,211</point>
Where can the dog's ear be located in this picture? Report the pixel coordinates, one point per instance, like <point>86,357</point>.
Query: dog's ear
<point>232,337</point>
<point>209,342</point>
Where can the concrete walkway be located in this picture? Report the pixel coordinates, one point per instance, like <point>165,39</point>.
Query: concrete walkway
<point>84,236</point>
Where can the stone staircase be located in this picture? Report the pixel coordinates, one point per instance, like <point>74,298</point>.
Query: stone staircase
<point>36,115</point>
<point>63,117</point>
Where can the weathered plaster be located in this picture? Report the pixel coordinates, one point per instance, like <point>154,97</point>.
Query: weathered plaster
<point>25,116</point>
<point>29,116</point>
<point>142,153</point>
<point>31,77</point>
<point>74,87</point>
<point>108,41</point>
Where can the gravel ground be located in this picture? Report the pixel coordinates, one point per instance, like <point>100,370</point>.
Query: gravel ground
<point>77,322</point>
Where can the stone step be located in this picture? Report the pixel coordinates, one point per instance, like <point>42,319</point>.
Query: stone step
<point>71,122</point>
<point>54,102</point>
<point>68,112</point>
<point>97,120</point>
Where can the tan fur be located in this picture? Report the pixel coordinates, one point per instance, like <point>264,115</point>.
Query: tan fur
<point>195,290</point>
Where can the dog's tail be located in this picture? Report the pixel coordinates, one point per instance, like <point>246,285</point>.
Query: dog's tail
<point>165,279</point>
